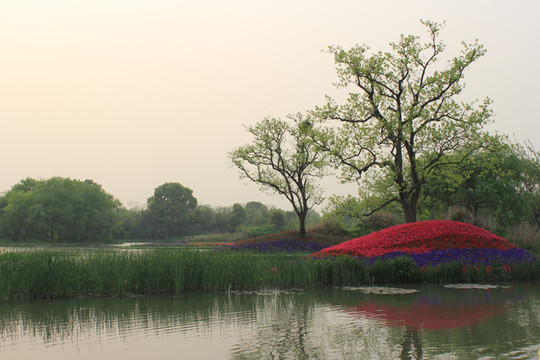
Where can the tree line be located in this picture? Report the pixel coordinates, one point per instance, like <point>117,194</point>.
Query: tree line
<point>64,210</point>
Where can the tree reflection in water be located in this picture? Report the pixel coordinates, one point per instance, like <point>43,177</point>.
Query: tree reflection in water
<point>281,330</point>
<point>411,348</point>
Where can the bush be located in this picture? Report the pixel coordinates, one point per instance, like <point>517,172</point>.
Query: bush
<point>382,220</point>
<point>525,236</point>
<point>330,226</point>
<point>458,213</point>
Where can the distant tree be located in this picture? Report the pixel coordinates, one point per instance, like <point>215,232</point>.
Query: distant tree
<point>58,210</point>
<point>205,221</point>
<point>237,217</point>
<point>312,217</point>
<point>130,224</point>
<point>256,213</point>
<point>221,219</point>
<point>402,117</point>
<point>277,218</point>
<point>283,159</point>
<point>15,215</point>
<point>170,210</point>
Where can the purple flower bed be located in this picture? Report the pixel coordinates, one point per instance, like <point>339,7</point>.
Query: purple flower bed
<point>290,246</point>
<point>476,256</point>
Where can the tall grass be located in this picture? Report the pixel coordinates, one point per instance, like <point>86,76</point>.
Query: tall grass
<point>47,274</point>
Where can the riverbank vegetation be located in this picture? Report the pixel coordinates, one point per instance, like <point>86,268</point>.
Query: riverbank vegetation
<point>52,274</point>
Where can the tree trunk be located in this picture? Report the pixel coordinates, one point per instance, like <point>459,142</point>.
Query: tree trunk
<point>409,206</point>
<point>408,212</point>
<point>302,221</point>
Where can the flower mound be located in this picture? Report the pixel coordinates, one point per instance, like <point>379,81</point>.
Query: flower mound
<point>431,243</point>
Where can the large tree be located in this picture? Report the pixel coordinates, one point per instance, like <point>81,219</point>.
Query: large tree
<point>283,159</point>
<point>402,116</point>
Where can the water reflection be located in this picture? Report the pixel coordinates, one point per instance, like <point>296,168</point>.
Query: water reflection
<point>435,323</point>
<point>434,308</point>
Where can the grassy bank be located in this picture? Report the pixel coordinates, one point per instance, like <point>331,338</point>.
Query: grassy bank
<point>48,274</point>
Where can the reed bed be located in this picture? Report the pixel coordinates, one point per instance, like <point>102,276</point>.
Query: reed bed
<point>51,274</point>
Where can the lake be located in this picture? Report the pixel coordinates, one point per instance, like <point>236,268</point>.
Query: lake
<point>421,322</point>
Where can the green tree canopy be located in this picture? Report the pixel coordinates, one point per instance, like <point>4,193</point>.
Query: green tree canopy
<point>500,181</point>
<point>58,210</point>
<point>171,210</point>
<point>256,213</point>
<point>402,117</point>
<point>237,217</point>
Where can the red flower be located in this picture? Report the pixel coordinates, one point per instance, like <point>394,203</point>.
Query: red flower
<point>420,237</point>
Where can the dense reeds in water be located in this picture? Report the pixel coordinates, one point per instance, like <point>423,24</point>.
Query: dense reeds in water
<point>47,274</point>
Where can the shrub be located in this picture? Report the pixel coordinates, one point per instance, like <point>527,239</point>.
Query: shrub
<point>382,220</point>
<point>329,226</point>
<point>525,236</point>
<point>461,214</point>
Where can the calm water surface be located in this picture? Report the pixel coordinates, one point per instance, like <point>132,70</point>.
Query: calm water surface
<point>344,323</point>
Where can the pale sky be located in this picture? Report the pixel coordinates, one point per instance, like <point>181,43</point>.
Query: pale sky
<point>133,94</point>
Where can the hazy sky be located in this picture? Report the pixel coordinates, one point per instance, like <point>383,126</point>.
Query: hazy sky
<point>133,94</point>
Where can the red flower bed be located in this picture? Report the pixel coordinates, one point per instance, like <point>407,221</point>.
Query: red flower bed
<point>419,237</point>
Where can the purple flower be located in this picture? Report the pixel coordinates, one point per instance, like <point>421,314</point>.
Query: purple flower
<point>484,256</point>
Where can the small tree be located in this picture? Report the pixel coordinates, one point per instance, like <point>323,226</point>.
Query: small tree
<point>283,160</point>
<point>401,118</point>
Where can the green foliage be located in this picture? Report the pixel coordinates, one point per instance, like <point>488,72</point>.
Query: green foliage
<point>171,210</point>
<point>58,210</point>
<point>205,220</point>
<point>277,218</point>
<point>257,213</point>
<point>498,182</point>
<point>237,217</point>
<point>129,224</point>
<point>401,119</point>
